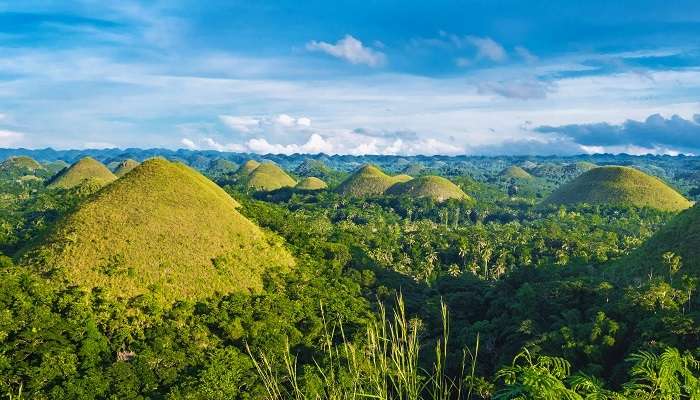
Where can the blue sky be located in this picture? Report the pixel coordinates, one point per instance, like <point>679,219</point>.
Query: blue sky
<point>353,77</point>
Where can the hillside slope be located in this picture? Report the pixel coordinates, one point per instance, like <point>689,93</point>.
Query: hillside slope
<point>85,169</point>
<point>162,226</point>
<point>619,185</point>
<point>367,181</point>
<point>435,187</point>
<point>268,176</point>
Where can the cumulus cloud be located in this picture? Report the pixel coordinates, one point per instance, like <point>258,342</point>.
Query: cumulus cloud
<point>656,133</point>
<point>188,143</point>
<point>350,49</point>
<point>356,142</point>
<point>517,89</point>
<point>253,125</point>
<point>487,48</point>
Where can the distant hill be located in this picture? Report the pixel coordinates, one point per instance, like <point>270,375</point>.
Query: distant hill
<point>87,169</point>
<point>680,236</point>
<point>268,176</point>
<point>515,172</point>
<point>247,167</point>
<point>311,183</point>
<point>125,166</point>
<point>310,167</point>
<point>221,166</point>
<point>162,226</point>
<point>368,180</point>
<point>20,164</point>
<point>55,167</point>
<point>435,187</point>
<point>619,185</point>
<point>414,169</point>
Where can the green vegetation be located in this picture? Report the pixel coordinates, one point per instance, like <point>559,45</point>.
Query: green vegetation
<point>435,187</point>
<point>619,185</point>
<point>268,176</point>
<point>85,169</point>
<point>247,168</point>
<point>515,172</point>
<point>368,180</point>
<point>162,286</point>
<point>18,164</point>
<point>125,166</point>
<point>311,183</point>
<point>55,167</point>
<point>162,225</point>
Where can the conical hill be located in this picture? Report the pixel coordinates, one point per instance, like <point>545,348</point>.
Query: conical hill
<point>86,169</point>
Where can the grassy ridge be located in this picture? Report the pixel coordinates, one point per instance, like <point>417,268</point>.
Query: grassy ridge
<point>368,180</point>
<point>164,226</point>
<point>311,183</point>
<point>435,187</point>
<point>268,176</point>
<point>86,169</point>
<point>247,167</point>
<point>20,163</point>
<point>515,172</point>
<point>125,166</point>
<point>619,185</point>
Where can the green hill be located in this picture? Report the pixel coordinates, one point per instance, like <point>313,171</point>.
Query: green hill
<point>163,226</point>
<point>435,187</point>
<point>619,185</point>
<point>268,176</point>
<point>125,166</point>
<point>86,169</point>
<point>221,166</point>
<point>311,183</point>
<point>680,236</point>
<point>368,180</point>
<point>20,164</point>
<point>55,167</point>
<point>515,172</point>
<point>247,167</point>
<point>414,169</point>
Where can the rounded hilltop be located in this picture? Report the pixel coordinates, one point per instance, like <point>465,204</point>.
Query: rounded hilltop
<point>311,183</point>
<point>247,167</point>
<point>619,186</point>
<point>432,186</point>
<point>86,169</point>
<point>267,177</point>
<point>20,163</point>
<point>367,181</point>
<point>163,226</point>
<point>515,172</point>
<point>125,166</point>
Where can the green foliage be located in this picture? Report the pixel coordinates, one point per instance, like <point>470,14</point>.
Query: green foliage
<point>621,186</point>
<point>311,183</point>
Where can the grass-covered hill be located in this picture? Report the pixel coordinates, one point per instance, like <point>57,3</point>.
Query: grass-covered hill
<point>247,167</point>
<point>162,226</point>
<point>515,172</point>
<point>20,164</point>
<point>368,180</point>
<point>221,166</point>
<point>681,236</point>
<point>268,176</point>
<point>435,187</point>
<point>125,166</point>
<point>55,167</point>
<point>311,183</point>
<point>86,169</point>
<point>619,185</point>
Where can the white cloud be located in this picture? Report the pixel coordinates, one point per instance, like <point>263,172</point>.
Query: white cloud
<point>188,143</point>
<point>10,138</point>
<point>241,124</point>
<point>488,48</point>
<point>525,54</point>
<point>351,50</point>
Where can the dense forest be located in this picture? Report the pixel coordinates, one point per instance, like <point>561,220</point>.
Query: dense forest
<point>410,278</point>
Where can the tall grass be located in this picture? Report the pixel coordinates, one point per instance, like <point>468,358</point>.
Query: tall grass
<point>383,364</point>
